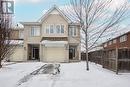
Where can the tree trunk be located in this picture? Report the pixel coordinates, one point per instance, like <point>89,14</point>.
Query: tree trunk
<point>0,64</point>
<point>87,65</point>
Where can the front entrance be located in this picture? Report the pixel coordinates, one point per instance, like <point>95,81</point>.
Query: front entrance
<point>33,52</point>
<point>72,52</point>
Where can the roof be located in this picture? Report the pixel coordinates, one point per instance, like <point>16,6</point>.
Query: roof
<point>15,42</point>
<point>117,37</point>
<point>30,23</point>
<point>96,49</point>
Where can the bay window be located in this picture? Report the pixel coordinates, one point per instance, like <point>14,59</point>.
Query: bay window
<point>72,31</point>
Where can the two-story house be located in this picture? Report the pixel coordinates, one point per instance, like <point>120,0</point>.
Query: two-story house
<point>55,38</point>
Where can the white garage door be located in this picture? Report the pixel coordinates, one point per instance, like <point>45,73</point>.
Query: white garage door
<point>55,54</point>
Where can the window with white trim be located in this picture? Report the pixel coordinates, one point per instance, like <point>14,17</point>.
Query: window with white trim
<point>114,41</point>
<point>35,31</point>
<point>57,29</point>
<point>123,38</point>
<point>105,45</point>
<point>52,29</point>
<point>72,31</point>
<point>62,28</point>
<point>110,43</point>
<point>47,29</point>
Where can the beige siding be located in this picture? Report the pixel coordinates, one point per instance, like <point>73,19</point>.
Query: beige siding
<point>14,34</point>
<point>55,19</point>
<point>17,55</point>
<point>27,35</point>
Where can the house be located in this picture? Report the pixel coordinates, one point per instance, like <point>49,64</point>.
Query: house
<point>55,38</point>
<point>120,42</point>
<point>115,54</point>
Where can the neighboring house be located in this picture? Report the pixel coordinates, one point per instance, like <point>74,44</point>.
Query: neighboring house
<point>17,42</point>
<point>122,41</point>
<point>115,55</point>
<point>55,38</point>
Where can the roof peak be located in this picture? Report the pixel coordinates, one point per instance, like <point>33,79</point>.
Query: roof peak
<point>54,6</point>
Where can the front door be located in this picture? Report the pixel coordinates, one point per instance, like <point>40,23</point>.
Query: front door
<point>72,51</point>
<point>35,53</point>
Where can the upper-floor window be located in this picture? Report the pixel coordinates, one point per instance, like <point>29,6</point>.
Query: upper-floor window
<point>35,31</point>
<point>54,29</point>
<point>51,28</point>
<point>72,31</point>
<point>114,41</point>
<point>105,45</point>
<point>110,42</point>
<point>47,29</point>
<point>123,38</point>
<point>58,29</point>
<point>62,28</point>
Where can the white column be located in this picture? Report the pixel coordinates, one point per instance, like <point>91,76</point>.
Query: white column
<point>41,52</point>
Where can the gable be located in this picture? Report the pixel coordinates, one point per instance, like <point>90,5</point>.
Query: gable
<point>54,11</point>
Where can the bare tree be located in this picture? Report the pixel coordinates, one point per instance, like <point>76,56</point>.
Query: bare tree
<point>6,34</point>
<point>95,18</point>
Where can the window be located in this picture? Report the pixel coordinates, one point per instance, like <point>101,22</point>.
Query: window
<point>51,28</point>
<point>123,38</point>
<point>114,41</point>
<point>58,29</point>
<point>110,43</point>
<point>72,31</point>
<point>47,29</point>
<point>35,31</point>
<point>62,28</point>
<point>105,45</point>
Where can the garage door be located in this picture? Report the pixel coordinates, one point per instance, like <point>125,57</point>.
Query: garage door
<point>55,54</point>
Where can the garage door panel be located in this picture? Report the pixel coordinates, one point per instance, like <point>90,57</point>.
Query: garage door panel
<point>55,54</point>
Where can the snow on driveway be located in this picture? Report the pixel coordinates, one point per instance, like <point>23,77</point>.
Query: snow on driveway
<point>11,74</point>
<point>71,75</point>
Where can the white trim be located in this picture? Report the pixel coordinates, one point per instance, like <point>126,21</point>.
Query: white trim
<point>47,43</point>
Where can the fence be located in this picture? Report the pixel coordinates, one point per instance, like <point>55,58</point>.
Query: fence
<point>117,60</point>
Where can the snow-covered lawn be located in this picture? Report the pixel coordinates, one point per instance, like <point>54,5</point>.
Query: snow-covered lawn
<point>71,75</point>
<point>11,74</point>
